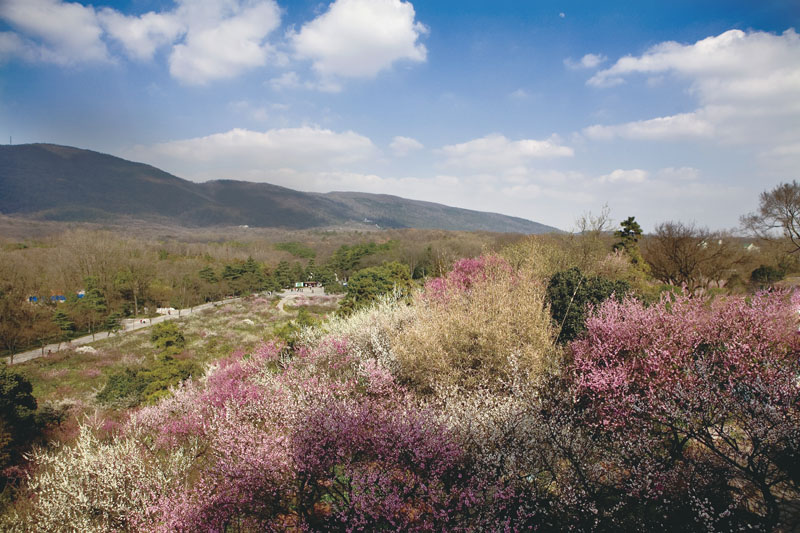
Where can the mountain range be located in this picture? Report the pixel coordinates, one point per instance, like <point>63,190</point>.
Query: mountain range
<point>52,182</point>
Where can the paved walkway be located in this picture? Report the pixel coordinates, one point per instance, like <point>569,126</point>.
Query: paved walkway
<point>131,324</point>
<point>128,324</point>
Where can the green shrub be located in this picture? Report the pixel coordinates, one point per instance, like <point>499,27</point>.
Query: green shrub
<point>289,332</point>
<point>133,386</point>
<point>17,413</point>
<point>570,292</point>
<point>167,337</point>
<point>368,284</point>
<point>766,275</point>
<point>123,389</point>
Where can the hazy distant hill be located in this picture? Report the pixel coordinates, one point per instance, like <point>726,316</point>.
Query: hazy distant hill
<point>63,183</point>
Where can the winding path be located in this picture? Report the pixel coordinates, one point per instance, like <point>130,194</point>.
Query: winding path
<point>131,324</point>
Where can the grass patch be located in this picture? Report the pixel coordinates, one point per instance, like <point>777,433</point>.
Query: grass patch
<point>71,380</point>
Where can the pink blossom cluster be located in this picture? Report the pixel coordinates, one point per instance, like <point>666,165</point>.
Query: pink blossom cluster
<point>320,440</point>
<point>464,274</point>
<point>711,384</point>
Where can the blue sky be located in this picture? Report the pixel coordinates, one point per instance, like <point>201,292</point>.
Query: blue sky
<point>681,110</point>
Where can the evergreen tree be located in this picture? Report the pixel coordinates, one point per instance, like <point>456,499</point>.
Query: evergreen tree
<point>570,292</point>
<point>311,269</point>
<point>283,274</point>
<point>208,275</point>
<point>629,242</point>
<point>368,284</point>
<point>65,325</point>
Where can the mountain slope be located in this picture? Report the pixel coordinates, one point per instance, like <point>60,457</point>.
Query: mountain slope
<point>62,183</point>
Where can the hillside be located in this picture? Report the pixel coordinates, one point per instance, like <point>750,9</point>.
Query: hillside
<point>51,182</point>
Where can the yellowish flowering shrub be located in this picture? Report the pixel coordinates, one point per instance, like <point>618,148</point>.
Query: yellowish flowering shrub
<point>470,325</point>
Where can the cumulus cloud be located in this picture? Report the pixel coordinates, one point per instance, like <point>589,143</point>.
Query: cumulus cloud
<point>223,41</point>
<point>587,61</point>
<point>217,39</point>
<point>746,84</point>
<point>736,62</point>
<point>209,40</point>
<point>239,152</point>
<point>402,146</point>
<point>360,38</point>
<point>53,31</point>
<point>141,36</point>
<point>495,151</point>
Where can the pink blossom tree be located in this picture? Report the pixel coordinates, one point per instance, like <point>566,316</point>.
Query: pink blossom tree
<point>714,382</point>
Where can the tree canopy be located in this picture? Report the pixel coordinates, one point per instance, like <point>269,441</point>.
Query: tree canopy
<point>779,209</point>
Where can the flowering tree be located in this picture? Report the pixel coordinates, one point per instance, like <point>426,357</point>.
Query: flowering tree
<point>715,382</point>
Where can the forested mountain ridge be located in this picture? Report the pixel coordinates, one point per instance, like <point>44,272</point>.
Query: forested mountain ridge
<point>63,183</point>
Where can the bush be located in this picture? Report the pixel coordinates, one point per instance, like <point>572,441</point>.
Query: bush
<point>368,284</point>
<point>290,332</point>
<point>167,337</point>
<point>131,387</point>
<point>18,423</point>
<point>765,275</point>
<point>481,324</point>
<point>570,293</point>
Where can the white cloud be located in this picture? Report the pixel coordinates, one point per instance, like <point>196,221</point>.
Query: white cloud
<point>735,62</point>
<point>746,83</point>
<point>587,61</point>
<point>141,36</point>
<point>520,94</point>
<point>68,33</point>
<point>360,38</point>
<point>290,80</point>
<point>244,154</point>
<point>496,152</point>
<point>685,125</point>
<point>212,39</point>
<point>223,40</point>
<point>636,175</point>
<point>287,80</point>
<point>402,146</point>
<point>12,45</point>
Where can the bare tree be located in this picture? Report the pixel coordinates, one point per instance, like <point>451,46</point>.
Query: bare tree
<point>591,239</point>
<point>779,210</point>
<point>691,257</point>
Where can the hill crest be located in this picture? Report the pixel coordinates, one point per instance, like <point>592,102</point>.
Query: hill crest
<point>54,182</point>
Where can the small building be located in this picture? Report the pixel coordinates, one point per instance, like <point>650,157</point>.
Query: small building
<point>58,298</point>
<point>33,299</point>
